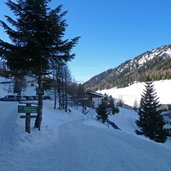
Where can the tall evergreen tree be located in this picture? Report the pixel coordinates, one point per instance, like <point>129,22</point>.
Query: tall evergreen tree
<point>150,120</point>
<point>37,39</point>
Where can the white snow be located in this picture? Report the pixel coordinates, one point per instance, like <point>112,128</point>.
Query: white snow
<point>6,89</point>
<point>125,120</point>
<point>168,51</point>
<point>152,54</point>
<point>76,142</point>
<point>133,92</point>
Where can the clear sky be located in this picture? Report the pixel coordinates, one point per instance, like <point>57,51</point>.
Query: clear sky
<point>111,31</point>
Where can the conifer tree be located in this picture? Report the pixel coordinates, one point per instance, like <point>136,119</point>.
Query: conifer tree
<point>114,109</point>
<point>150,120</point>
<point>37,39</point>
<point>102,111</point>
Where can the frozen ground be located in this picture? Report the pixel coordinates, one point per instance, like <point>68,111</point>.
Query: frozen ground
<point>73,142</point>
<point>133,92</point>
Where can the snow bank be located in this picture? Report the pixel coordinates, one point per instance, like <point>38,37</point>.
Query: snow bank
<point>125,120</point>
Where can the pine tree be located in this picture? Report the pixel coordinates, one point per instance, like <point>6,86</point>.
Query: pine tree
<point>37,36</point>
<point>114,109</point>
<point>102,111</point>
<point>150,121</point>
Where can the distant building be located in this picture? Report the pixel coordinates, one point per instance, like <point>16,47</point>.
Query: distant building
<point>94,97</point>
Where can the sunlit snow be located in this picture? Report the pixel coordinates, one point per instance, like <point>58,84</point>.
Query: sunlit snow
<point>73,141</point>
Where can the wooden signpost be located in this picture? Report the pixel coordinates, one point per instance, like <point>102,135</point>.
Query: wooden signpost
<point>28,109</point>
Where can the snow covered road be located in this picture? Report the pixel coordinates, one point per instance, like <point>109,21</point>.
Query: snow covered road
<point>87,148</point>
<point>8,127</point>
<point>77,147</point>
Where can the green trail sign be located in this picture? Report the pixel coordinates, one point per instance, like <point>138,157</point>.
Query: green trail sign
<point>27,109</point>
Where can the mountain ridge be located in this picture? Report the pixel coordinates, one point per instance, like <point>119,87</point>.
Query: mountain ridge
<point>155,63</point>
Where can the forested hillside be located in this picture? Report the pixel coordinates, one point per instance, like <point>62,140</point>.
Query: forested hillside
<point>155,63</point>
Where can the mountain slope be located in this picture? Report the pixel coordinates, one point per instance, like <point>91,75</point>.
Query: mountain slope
<point>155,63</point>
<point>131,94</point>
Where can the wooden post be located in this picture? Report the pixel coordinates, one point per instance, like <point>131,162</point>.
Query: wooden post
<point>27,121</point>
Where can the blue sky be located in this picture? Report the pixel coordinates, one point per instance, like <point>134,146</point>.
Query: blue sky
<point>111,31</point>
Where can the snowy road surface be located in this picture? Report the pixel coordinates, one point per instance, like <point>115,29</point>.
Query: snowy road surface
<point>78,147</point>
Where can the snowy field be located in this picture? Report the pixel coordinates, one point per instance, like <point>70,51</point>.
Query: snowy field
<point>75,142</point>
<point>133,93</point>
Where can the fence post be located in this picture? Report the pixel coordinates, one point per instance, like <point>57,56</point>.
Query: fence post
<point>27,121</point>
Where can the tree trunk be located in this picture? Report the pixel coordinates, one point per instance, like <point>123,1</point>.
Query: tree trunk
<point>40,104</point>
<point>55,84</point>
<point>66,92</point>
<point>27,121</point>
<point>55,100</point>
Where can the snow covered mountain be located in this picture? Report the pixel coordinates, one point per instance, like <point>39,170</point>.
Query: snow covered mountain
<point>155,63</point>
